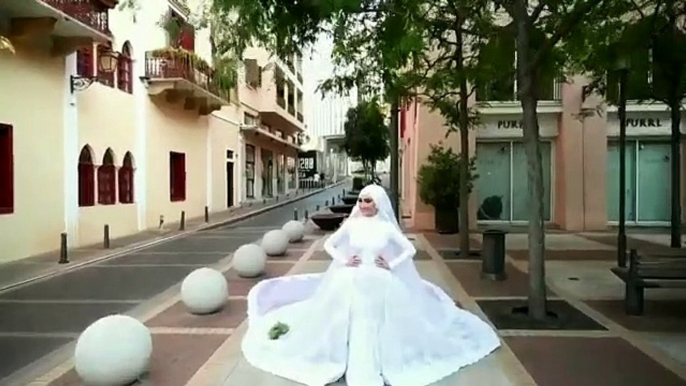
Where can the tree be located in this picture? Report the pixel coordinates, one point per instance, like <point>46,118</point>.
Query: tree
<point>454,34</point>
<point>366,135</point>
<point>647,38</point>
<point>539,29</point>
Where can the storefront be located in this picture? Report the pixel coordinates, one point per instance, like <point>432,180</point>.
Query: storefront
<point>648,160</point>
<point>502,188</point>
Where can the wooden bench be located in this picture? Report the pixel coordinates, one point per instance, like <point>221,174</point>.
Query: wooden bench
<point>664,268</point>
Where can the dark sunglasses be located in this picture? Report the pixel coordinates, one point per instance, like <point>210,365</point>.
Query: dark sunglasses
<point>366,200</point>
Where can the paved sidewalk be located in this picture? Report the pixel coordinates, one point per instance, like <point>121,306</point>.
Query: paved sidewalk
<point>25,270</point>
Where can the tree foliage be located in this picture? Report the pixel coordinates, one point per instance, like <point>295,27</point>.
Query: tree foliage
<point>439,178</point>
<point>366,134</point>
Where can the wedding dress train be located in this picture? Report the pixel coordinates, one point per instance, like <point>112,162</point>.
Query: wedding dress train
<point>373,325</point>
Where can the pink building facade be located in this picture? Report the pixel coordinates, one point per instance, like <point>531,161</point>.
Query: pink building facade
<point>580,162</point>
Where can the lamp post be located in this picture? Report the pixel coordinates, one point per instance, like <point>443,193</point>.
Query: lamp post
<point>622,67</point>
<point>107,63</point>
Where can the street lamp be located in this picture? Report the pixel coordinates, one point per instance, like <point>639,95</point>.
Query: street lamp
<point>622,67</point>
<point>107,64</point>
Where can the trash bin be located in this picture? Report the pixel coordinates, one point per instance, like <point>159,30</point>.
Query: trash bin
<point>493,255</point>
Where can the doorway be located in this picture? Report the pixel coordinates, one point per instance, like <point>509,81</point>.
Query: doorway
<point>648,181</point>
<point>267,173</point>
<point>229,184</point>
<point>502,187</point>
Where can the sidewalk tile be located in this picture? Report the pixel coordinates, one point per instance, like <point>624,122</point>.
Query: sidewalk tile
<point>565,361</point>
<point>469,275</point>
<point>659,315</point>
<point>175,358</point>
<point>239,286</point>
<point>233,314</point>
<point>571,254</point>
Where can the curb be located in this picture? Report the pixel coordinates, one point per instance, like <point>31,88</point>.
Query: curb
<point>153,242</point>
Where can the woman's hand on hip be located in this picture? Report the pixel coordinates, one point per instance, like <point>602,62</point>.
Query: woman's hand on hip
<point>382,263</point>
<point>353,261</point>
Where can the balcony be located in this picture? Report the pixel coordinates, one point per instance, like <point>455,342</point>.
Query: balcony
<point>180,75</point>
<point>71,23</point>
<point>501,97</point>
<point>259,133</point>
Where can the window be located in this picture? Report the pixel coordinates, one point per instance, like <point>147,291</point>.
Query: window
<point>86,178</point>
<point>124,68</point>
<point>177,176</point>
<point>106,78</point>
<point>126,180</point>
<point>250,171</point>
<point>6,170</point>
<point>84,61</point>
<point>181,34</point>
<point>107,180</point>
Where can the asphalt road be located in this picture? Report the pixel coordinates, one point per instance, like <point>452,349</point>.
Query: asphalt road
<point>41,317</point>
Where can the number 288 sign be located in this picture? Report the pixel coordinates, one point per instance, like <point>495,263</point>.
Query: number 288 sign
<point>306,164</point>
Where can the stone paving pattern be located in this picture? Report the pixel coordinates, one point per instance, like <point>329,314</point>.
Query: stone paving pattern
<point>41,319</point>
<point>601,346</point>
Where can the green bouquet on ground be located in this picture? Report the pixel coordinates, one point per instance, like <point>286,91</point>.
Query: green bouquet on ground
<point>278,330</point>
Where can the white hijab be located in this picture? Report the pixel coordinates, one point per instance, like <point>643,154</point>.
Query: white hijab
<point>384,209</point>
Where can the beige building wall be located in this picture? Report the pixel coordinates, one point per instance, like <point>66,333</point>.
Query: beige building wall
<point>106,120</point>
<point>33,102</point>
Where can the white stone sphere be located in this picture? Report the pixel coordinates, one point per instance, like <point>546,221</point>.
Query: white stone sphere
<point>113,351</point>
<point>295,230</point>
<point>275,242</point>
<point>204,291</point>
<point>249,260</point>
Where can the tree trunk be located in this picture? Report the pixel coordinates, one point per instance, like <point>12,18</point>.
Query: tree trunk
<point>528,98</point>
<point>675,112</point>
<point>463,109</point>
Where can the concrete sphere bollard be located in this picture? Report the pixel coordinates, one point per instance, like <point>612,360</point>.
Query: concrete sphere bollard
<point>249,260</point>
<point>295,230</point>
<point>204,291</point>
<point>275,242</point>
<point>113,351</point>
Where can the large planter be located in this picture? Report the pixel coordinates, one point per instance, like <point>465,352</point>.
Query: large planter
<point>328,221</point>
<point>447,220</point>
<point>349,200</point>
<point>345,209</point>
<point>358,183</point>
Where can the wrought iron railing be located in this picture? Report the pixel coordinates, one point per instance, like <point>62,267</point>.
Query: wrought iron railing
<point>90,12</point>
<point>172,63</point>
<point>301,118</point>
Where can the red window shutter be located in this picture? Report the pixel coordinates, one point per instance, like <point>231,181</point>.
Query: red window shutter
<point>6,170</point>
<point>177,177</point>
<point>86,184</point>
<point>126,184</point>
<point>84,62</point>
<point>106,185</point>
<point>187,38</point>
<point>182,175</point>
<point>124,80</point>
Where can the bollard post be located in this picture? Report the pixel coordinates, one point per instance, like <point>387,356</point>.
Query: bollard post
<point>295,214</point>
<point>317,207</point>
<point>207,214</point>
<point>182,223</point>
<point>307,215</point>
<point>264,201</point>
<point>64,256</point>
<point>326,203</point>
<point>343,192</point>
<point>106,237</point>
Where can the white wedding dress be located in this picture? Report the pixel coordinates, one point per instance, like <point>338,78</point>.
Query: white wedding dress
<point>373,325</point>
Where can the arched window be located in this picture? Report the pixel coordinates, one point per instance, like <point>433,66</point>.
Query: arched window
<point>126,180</point>
<point>106,78</point>
<point>107,176</point>
<point>86,177</point>
<point>124,69</point>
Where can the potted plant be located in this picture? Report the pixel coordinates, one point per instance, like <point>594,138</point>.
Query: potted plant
<point>439,186</point>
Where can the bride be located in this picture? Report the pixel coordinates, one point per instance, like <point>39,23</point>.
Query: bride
<point>370,317</point>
